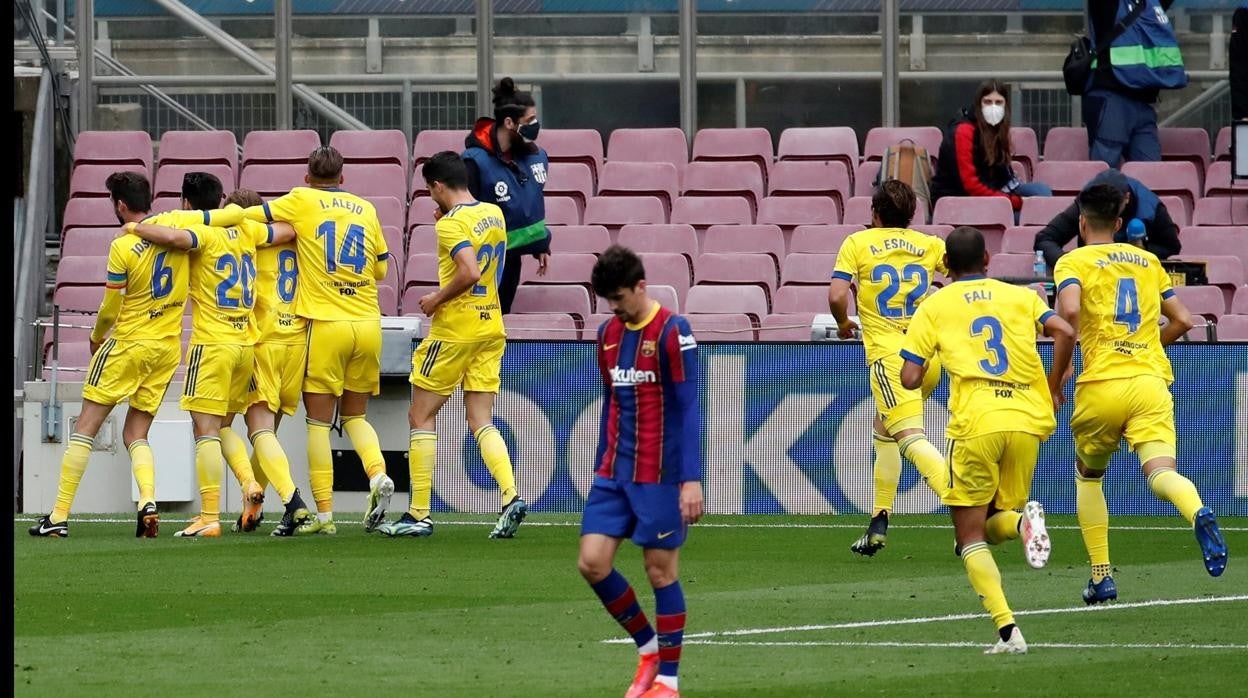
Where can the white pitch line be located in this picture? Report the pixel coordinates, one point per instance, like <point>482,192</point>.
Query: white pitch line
<point>953,617</point>
<point>959,645</point>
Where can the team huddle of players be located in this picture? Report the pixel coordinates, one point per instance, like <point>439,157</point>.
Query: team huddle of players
<point>284,303</point>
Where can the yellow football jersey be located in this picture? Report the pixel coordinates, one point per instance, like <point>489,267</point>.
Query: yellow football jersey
<point>1119,310</point>
<point>339,242</point>
<point>985,331</point>
<point>277,276</point>
<point>155,281</point>
<point>894,269</point>
<point>476,314</point>
<point>223,276</point>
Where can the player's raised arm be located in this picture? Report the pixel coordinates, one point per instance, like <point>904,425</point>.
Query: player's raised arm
<point>177,238</point>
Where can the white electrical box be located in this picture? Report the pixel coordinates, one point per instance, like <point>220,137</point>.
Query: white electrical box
<point>173,446</point>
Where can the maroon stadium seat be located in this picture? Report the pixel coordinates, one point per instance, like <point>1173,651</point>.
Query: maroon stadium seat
<point>745,238</point>
<point>657,179</point>
<point>1174,178</point>
<point>199,147</point>
<point>1218,181</point>
<point>747,144</point>
<point>1020,240</point>
<point>1066,143</point>
<point>367,179</point>
<point>544,326</point>
<point>616,211</point>
<point>667,269</point>
<point>731,298</point>
<point>431,141</point>
<point>1221,210</point>
<point>1026,148</point>
<point>114,148</point>
<point>825,143</point>
<point>279,147</point>
<point>388,146</point>
<point>1067,178</point>
<point>786,327</point>
<point>553,298</point>
<point>858,211</point>
<point>1039,210</point>
<point>724,179</point>
<point>88,180</point>
<point>390,210</point>
<point>821,239</point>
<point>809,178</point>
<point>273,180</point>
<point>650,145</point>
<point>573,180</point>
<point>562,210</point>
<point>591,239</point>
<point>574,145</point>
<point>808,269</point>
<point>672,237</point>
<point>722,327</point>
<point>169,176</point>
<point>881,138</point>
<point>704,211</point>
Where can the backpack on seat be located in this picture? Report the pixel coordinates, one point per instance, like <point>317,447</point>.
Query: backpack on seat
<point>910,163</point>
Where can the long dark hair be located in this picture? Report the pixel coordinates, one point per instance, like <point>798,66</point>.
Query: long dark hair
<point>996,139</point>
<point>509,103</point>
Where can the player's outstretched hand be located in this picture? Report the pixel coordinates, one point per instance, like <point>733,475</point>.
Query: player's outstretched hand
<point>847,330</point>
<point>542,259</point>
<point>428,303</point>
<point>690,502</point>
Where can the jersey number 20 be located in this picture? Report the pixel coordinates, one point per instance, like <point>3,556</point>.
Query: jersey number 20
<point>237,272</point>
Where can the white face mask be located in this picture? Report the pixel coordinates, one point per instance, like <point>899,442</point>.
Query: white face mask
<point>994,114</point>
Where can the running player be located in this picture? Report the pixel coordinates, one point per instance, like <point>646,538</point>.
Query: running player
<point>145,294</point>
<point>342,255</point>
<point>647,485</point>
<point>464,346</point>
<point>1115,294</point>
<point>894,267</point>
<point>1001,408</point>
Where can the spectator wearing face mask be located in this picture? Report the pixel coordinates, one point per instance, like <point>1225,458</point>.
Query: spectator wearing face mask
<point>975,154</point>
<point>507,168</point>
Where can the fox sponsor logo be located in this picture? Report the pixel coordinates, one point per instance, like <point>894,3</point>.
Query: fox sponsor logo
<point>347,291</point>
<point>632,376</point>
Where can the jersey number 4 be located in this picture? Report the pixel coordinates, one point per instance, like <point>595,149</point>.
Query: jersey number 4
<point>1127,309</point>
<point>350,253</point>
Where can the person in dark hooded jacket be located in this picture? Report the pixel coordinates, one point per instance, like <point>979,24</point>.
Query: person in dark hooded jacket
<point>507,168</point>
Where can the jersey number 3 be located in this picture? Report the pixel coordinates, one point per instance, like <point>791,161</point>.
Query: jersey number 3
<point>998,361</point>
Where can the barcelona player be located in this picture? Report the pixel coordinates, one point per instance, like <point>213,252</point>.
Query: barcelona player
<point>1115,294</point>
<point>1001,408</point>
<point>342,254</point>
<point>143,301</point>
<point>464,347</point>
<point>894,267</point>
<point>647,484</point>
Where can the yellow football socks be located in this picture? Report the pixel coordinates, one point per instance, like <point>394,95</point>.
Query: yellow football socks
<point>364,441</point>
<point>1169,485</point>
<point>274,463</point>
<point>257,468</point>
<point>143,465</point>
<point>320,466</point>
<point>1093,514</point>
<point>918,450</point>
<point>887,472</point>
<point>986,580</point>
<point>422,456</point>
<point>208,462</point>
<point>1002,526</point>
<point>494,453</point>
<point>234,449</point>
<point>73,465</point>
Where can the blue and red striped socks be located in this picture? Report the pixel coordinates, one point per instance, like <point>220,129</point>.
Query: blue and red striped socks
<point>669,609</point>
<point>621,602</point>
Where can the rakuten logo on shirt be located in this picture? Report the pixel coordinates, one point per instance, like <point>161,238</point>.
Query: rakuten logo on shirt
<point>625,377</point>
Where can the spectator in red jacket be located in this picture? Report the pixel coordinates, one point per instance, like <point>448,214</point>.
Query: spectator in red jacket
<point>975,155</point>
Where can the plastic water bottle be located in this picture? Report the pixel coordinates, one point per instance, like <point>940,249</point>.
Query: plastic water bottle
<point>1136,231</point>
<point>1039,268</point>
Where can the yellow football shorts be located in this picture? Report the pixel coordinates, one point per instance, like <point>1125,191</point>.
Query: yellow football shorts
<point>992,469</point>
<point>898,407</point>
<point>278,381</point>
<point>1138,408</point>
<point>138,370</point>
<point>439,367</point>
<point>218,378</point>
<point>343,355</point>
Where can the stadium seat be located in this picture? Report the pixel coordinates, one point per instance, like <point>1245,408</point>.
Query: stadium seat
<point>388,299</point>
<point>593,323</point>
<point>1039,210</point>
<point>745,238</point>
<point>387,146</point>
<point>1224,271</point>
<point>582,145</point>
<point>273,180</point>
<point>271,147</point>
<point>704,211</point>
<point>1186,144</point>
<point>89,212</point>
<point>650,145</point>
<point>81,271</point>
<point>390,210</point>
<point>169,177</point>
<point>1020,240</point>
<point>163,204</point>
<point>74,327</point>
<point>616,211</point>
<point>810,178</point>
<point>431,141</point>
<point>935,230</point>
<point>1066,177</point>
<point>80,298</point>
<point>1066,144</point>
<point>821,239</point>
<point>1200,241</point>
<point>88,180</point>
<point>824,143</point>
<point>368,179</point>
<point>881,138</point>
<point>805,299</point>
<point>1008,265</point>
<point>88,242</point>
<point>722,327</point>
<point>1239,306</point>
<point>1218,181</point>
<point>788,212</point>
<point>421,212</point>
<point>1173,178</point>
<point>1233,328</point>
<point>412,293</point>
<point>731,298</point>
<point>667,269</point>
<point>724,179</point>
<point>553,298</point>
<point>786,327</point>
<point>563,210</point>
<point>808,270</point>
<point>672,237</point>
<point>395,243</point>
<point>73,358</point>
<point>1207,301</point>
<point>1180,211</point>
<point>1221,210</point>
<point>1222,144</point>
<point>572,180</point>
<point>656,179</point>
<point>422,239</point>
<point>991,214</point>
<point>736,268</point>
<point>584,239</point>
<point>1026,149</point>
<point>198,147</point>
<point>864,178</point>
<point>421,270</point>
<point>665,295</point>
<point>114,148</point>
<point>569,268</point>
<point>748,144</point>
<point>858,211</point>
<point>543,326</point>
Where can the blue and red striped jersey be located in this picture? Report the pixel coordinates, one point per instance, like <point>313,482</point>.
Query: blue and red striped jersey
<point>650,423</point>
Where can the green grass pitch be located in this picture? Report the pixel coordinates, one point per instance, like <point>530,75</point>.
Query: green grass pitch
<point>103,614</point>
